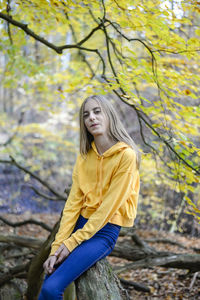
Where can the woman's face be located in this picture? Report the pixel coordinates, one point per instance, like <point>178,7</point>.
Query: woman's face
<point>95,119</point>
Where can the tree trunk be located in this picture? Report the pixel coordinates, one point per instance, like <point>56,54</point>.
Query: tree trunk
<point>99,282</point>
<point>147,257</point>
<point>70,292</point>
<point>35,273</point>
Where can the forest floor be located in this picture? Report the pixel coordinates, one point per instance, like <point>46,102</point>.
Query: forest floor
<point>164,283</point>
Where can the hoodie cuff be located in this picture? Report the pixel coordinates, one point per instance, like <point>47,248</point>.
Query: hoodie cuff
<point>54,248</point>
<point>70,243</point>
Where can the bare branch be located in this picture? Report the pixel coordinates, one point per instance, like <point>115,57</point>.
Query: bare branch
<point>104,9</point>
<point>25,222</point>
<point>142,42</point>
<point>44,183</point>
<point>137,286</point>
<point>90,34</point>
<point>22,241</point>
<point>47,196</point>
<point>81,53</point>
<point>110,60</point>
<point>179,261</point>
<point>13,272</point>
<point>58,49</point>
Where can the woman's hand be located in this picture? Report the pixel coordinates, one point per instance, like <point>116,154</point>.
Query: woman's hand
<point>55,259</point>
<point>61,253</point>
<point>49,264</point>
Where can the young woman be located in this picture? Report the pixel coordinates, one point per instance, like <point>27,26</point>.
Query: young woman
<point>103,197</point>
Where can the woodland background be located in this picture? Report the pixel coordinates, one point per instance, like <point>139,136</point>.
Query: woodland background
<point>145,56</point>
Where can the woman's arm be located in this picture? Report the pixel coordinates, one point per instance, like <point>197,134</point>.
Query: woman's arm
<point>122,184</point>
<point>71,212</point>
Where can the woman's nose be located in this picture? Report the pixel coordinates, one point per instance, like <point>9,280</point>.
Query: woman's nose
<point>92,116</point>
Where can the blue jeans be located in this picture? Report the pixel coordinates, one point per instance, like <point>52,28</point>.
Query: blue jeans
<point>79,260</point>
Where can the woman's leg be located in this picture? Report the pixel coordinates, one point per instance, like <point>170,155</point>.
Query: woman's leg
<point>79,260</point>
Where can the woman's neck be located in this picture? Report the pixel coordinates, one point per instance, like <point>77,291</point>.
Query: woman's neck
<point>103,143</point>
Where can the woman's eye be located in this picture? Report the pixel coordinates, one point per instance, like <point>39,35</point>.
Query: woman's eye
<point>97,111</point>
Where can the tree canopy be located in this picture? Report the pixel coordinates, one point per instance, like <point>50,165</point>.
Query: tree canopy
<point>143,53</point>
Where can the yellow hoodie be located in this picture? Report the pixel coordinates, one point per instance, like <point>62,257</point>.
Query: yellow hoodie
<point>105,189</point>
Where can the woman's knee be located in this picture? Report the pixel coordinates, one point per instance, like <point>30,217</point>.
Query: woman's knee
<point>50,291</point>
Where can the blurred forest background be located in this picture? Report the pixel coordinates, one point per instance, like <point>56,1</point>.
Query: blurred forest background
<point>145,56</point>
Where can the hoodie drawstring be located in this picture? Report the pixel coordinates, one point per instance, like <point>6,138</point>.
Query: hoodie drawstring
<point>119,146</point>
<point>101,178</point>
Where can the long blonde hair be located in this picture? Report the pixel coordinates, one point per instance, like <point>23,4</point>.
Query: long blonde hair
<point>117,131</point>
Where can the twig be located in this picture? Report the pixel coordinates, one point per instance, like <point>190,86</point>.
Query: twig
<point>193,281</point>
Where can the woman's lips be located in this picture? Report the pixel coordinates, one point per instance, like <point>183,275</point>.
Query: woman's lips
<point>94,125</point>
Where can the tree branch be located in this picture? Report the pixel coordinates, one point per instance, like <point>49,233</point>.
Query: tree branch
<point>44,183</point>
<point>22,241</point>
<point>25,222</point>
<point>13,272</point>
<point>102,26</point>
<point>143,43</point>
<point>179,261</point>
<point>58,49</point>
<point>81,52</point>
<point>137,286</point>
<point>47,196</point>
<point>139,113</point>
<point>90,34</point>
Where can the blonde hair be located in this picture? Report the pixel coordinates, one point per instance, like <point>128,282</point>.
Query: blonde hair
<point>116,129</point>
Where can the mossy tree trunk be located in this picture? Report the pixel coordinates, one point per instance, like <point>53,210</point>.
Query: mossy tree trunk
<point>99,282</point>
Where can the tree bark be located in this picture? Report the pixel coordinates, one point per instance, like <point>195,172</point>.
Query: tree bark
<point>7,276</point>
<point>35,273</point>
<point>179,261</point>
<point>99,282</point>
<point>97,275</point>
<point>22,241</point>
<point>148,257</point>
